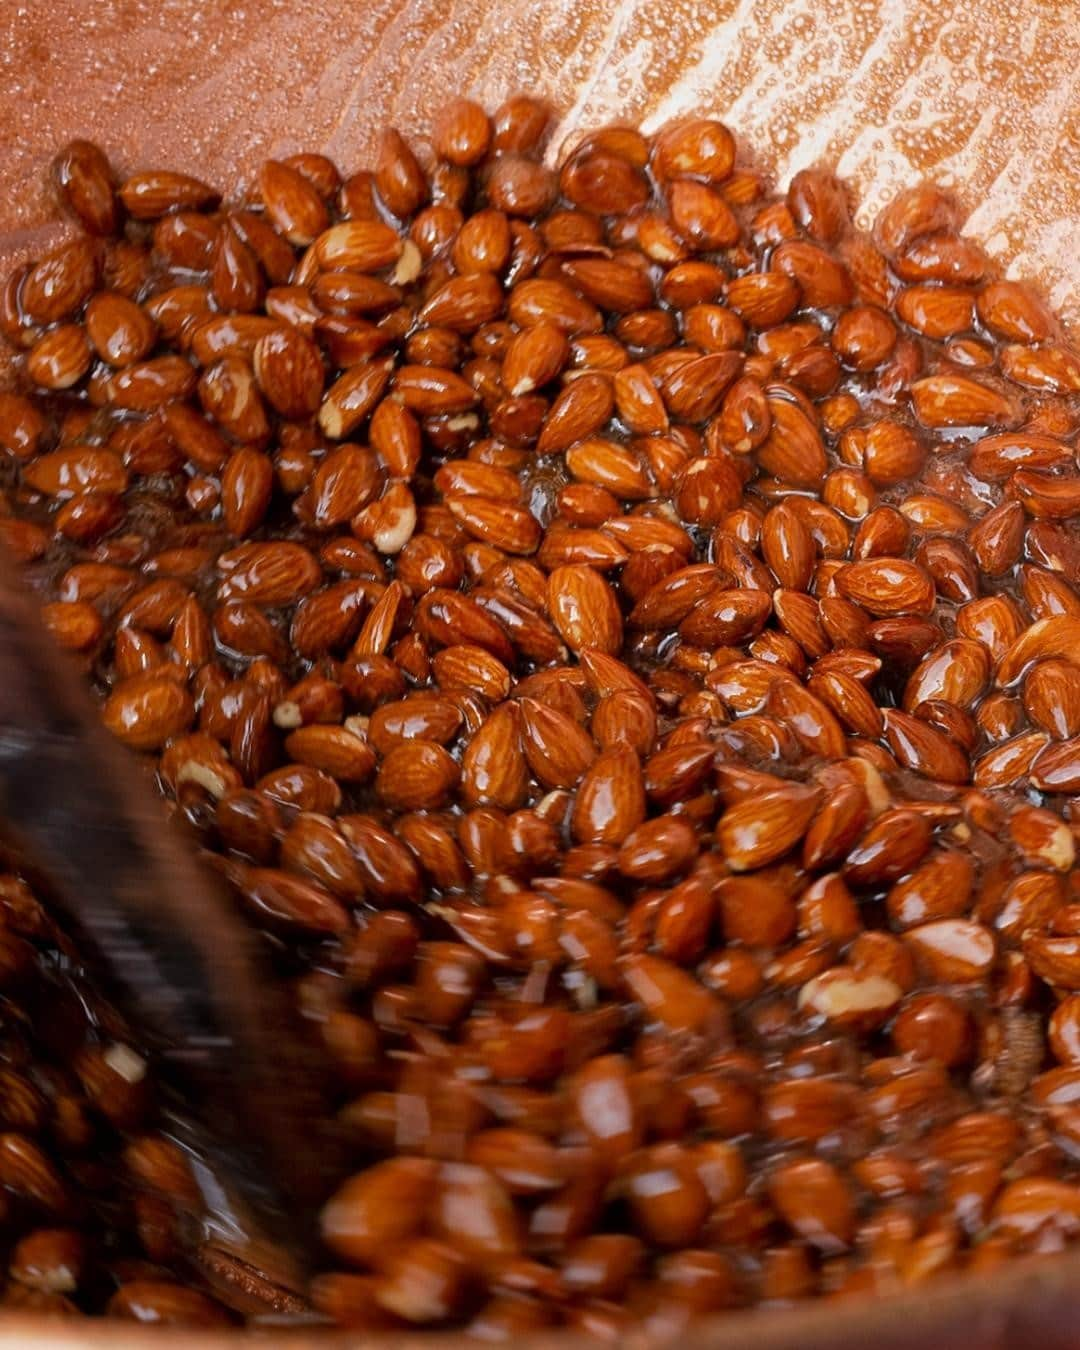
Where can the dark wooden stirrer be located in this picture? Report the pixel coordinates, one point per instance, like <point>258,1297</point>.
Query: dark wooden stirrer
<point>170,950</point>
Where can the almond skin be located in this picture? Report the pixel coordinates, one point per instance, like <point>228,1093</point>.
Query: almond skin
<point>376,1207</point>
<point>416,776</point>
<point>956,401</point>
<point>289,371</point>
<point>757,831</point>
<point>924,749</point>
<point>151,194</point>
<point>793,450</point>
<point>887,586</point>
<point>292,203</point>
<point>610,800</point>
<point>580,410</point>
<point>558,750</point>
<point>148,710</point>
<point>493,768</point>
<point>584,609</point>
<point>84,178</point>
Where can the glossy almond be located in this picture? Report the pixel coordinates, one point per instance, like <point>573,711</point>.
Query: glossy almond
<point>763,828</point>
<point>610,800</point>
<point>584,609</point>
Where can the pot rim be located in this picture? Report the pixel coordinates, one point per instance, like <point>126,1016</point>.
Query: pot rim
<point>1032,1302</point>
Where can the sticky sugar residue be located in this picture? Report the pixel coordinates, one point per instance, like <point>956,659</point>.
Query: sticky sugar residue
<point>886,90</point>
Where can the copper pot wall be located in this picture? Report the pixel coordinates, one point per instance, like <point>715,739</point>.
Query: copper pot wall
<point>984,94</point>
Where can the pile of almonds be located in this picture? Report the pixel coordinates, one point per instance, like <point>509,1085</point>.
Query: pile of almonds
<point>617,632</point>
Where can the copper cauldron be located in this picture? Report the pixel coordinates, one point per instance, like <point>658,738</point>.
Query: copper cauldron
<point>982,95</point>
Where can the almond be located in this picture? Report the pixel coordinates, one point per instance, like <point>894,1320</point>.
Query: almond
<point>745,685</point>
<point>376,1208</point>
<point>77,469</point>
<point>886,586</point>
<point>512,529</point>
<point>148,710</point>
<point>787,547</point>
<point>839,823</point>
<point>57,286</point>
<point>534,358</point>
<point>580,411</point>
<point>822,280</point>
<point>668,601</point>
<point>464,303</point>
<point>329,618</point>
<point>611,284</point>
<point>289,371</point>
<point>277,573</point>
<point>1042,838</point>
<point>467,667</point>
<point>432,392</point>
<point>1009,762</point>
<point>558,750</point>
<point>793,450</point>
<point>338,751</point>
<point>246,487</point>
<point>85,180</point>
<point>1051,368</point>
<point>814,1201</point>
<point>707,488</point>
<point>610,800</point>
<point>1045,495</point>
<point>1054,959</point>
<point>60,358</point>
<point>1057,637</point>
<point>725,618</point>
<point>75,625</point>
<point>702,216</point>
<point>154,193</point>
<point>670,995</point>
<point>849,700</point>
<point>416,776</point>
<point>936,311</point>
<point>227,335</point>
<point>939,888</point>
<point>353,397</point>
<point>449,618</point>
<point>493,768</point>
<point>292,203</point>
<point>584,609</point>
<point>1052,697</point>
<point>953,951</point>
<point>763,828</point>
<point>924,749</point>
<point>421,716</point>
<point>799,616</point>
<point>695,390</point>
<point>958,672</point>
<point>815,727</point>
<point>957,401</point>
<point>552,302</point>
<point>358,245</point>
<point>995,458</point>
<point>895,843</point>
<point>850,998</point>
<point>609,465</point>
<point>763,299</point>
<point>638,401</point>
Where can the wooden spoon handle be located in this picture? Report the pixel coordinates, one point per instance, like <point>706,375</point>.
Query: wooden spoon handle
<point>163,937</point>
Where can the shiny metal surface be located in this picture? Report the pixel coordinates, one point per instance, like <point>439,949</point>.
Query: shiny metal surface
<point>984,94</point>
